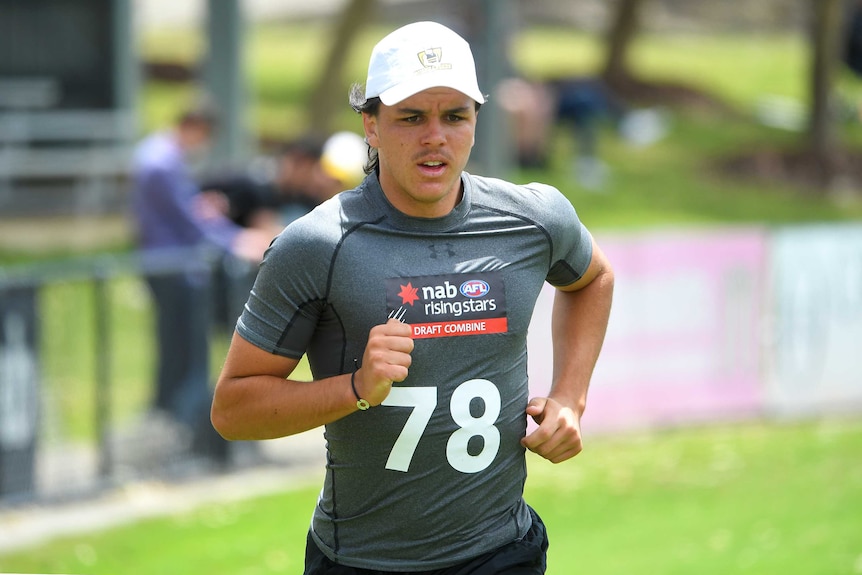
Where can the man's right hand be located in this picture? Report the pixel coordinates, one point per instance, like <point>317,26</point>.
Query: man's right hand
<point>386,360</point>
<point>250,244</point>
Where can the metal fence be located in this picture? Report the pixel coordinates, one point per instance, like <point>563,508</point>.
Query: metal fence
<point>708,325</point>
<point>77,363</point>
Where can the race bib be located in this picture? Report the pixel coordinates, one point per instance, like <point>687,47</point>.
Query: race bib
<point>449,305</point>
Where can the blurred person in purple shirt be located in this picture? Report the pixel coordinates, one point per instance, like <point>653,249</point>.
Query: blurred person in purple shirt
<point>170,215</point>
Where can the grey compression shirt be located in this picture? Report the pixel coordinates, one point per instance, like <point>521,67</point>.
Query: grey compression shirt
<point>435,475</point>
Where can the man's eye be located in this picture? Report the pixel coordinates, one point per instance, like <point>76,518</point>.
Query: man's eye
<point>411,119</point>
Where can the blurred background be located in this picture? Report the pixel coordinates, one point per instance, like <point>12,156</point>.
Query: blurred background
<point>714,149</point>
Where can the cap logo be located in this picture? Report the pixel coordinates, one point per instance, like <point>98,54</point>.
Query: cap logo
<point>432,58</point>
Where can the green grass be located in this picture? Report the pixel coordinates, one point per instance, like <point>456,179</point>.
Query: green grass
<point>756,499</point>
<point>283,61</point>
<point>735,68</point>
<point>69,356</point>
<point>736,498</point>
<point>671,183</point>
<point>666,185</point>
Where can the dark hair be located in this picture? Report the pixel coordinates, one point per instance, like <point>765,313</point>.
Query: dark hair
<point>203,110</point>
<point>363,105</point>
<point>307,146</point>
<point>360,105</point>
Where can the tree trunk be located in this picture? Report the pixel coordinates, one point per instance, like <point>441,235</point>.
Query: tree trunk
<point>328,94</point>
<point>826,36</point>
<point>618,39</point>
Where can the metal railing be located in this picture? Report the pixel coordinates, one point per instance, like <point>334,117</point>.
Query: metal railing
<point>49,313</point>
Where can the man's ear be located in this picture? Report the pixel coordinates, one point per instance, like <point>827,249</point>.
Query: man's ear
<point>369,123</point>
<point>474,130</point>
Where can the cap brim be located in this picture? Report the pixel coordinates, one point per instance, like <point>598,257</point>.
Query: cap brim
<point>404,90</point>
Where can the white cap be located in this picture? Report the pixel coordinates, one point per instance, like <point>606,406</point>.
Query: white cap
<point>419,56</point>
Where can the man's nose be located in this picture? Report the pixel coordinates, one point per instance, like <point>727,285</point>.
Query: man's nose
<point>434,134</point>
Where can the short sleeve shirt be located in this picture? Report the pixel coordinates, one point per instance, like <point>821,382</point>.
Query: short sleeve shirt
<point>433,476</point>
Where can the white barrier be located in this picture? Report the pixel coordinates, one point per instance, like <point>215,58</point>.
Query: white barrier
<point>815,344</point>
<point>723,324</point>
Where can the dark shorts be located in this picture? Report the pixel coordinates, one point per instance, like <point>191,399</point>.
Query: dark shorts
<point>526,556</point>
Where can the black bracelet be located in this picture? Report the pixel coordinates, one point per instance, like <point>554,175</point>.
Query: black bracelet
<point>362,404</point>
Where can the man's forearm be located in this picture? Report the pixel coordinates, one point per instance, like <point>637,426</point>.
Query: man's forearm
<point>578,326</point>
<point>267,407</point>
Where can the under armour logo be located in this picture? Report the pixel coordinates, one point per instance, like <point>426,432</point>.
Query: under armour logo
<point>434,251</point>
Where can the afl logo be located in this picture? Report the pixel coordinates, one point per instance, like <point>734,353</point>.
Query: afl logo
<point>475,288</point>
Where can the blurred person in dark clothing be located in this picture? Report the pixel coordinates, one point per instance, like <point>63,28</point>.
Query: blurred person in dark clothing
<point>267,196</point>
<point>852,55</point>
<point>299,183</point>
<point>581,105</point>
<point>291,186</point>
<point>169,216</point>
<point>535,108</point>
<point>303,174</point>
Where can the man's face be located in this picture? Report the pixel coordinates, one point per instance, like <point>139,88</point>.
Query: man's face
<point>423,144</point>
<point>196,138</point>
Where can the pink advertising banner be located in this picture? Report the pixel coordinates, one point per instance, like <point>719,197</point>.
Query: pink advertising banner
<point>683,343</point>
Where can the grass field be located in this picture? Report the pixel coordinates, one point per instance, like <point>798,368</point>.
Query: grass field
<point>748,498</point>
<point>780,499</point>
<point>667,184</point>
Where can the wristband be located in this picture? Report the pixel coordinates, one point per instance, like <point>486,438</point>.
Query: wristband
<point>362,404</point>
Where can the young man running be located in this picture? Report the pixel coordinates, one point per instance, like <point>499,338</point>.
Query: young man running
<point>411,296</point>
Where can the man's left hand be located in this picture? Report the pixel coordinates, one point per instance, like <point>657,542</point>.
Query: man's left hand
<point>558,436</point>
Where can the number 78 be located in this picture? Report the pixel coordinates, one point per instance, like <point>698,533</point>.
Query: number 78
<point>423,400</point>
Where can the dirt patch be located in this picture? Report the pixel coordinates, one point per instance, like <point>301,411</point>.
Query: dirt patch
<point>35,235</point>
<point>669,94</point>
<point>798,169</point>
